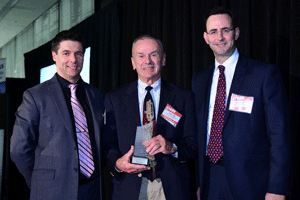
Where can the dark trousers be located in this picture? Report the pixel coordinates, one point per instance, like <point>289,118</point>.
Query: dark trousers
<point>89,191</point>
<point>215,185</point>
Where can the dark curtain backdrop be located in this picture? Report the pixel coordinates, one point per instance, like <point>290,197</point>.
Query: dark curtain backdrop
<point>269,33</point>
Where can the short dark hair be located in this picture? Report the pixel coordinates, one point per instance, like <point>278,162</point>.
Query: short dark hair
<point>143,37</point>
<point>220,10</point>
<point>65,35</point>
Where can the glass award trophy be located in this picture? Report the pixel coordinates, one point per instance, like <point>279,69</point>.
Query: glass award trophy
<point>143,133</point>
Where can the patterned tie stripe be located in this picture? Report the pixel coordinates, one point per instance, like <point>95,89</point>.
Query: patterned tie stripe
<point>151,174</point>
<point>83,139</point>
<point>145,118</point>
<point>215,146</point>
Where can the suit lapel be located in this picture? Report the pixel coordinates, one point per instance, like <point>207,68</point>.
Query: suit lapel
<point>61,105</point>
<point>96,110</point>
<point>130,111</point>
<point>131,101</point>
<point>238,78</point>
<point>166,97</point>
<point>207,87</point>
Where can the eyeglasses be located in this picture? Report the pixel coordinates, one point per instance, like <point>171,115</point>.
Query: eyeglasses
<point>224,31</point>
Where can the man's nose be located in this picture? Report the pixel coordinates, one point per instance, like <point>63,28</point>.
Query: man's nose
<point>73,57</point>
<point>220,35</point>
<point>148,59</point>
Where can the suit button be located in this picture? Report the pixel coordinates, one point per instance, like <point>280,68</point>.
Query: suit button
<point>140,175</point>
<point>75,148</point>
<point>75,169</point>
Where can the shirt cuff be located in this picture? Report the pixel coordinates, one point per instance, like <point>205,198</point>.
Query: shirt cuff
<point>119,171</point>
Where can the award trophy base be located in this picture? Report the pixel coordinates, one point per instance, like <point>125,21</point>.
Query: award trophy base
<point>139,160</point>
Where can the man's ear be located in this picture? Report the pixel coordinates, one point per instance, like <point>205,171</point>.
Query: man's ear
<point>236,33</point>
<point>133,64</point>
<point>205,37</point>
<point>54,56</point>
<point>164,60</point>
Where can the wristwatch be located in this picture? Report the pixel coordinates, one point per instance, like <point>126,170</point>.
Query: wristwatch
<point>175,148</point>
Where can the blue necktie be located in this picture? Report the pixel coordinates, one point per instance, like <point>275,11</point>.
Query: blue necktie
<point>83,139</point>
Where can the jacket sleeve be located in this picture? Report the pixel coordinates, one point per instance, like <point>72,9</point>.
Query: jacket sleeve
<point>110,138</point>
<point>279,133</point>
<point>25,136</point>
<point>187,145</point>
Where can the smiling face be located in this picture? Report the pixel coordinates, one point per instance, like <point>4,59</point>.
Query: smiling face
<point>221,36</point>
<point>148,59</point>
<point>69,60</point>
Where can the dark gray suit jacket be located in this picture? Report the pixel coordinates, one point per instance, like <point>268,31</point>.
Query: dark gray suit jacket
<point>43,144</point>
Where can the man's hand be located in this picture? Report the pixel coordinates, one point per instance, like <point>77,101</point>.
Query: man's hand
<point>123,164</point>
<point>270,196</point>
<point>159,144</point>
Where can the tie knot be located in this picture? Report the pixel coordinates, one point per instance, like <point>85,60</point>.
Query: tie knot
<point>73,87</point>
<point>149,88</point>
<point>221,68</point>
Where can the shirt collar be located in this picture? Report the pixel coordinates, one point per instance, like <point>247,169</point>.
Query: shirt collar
<point>143,85</point>
<point>64,83</point>
<point>230,62</point>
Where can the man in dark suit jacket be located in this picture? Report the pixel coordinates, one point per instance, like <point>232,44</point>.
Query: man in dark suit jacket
<point>44,143</point>
<point>255,133</point>
<point>172,146</point>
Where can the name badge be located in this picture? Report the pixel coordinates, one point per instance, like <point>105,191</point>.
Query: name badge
<point>171,115</point>
<point>241,103</point>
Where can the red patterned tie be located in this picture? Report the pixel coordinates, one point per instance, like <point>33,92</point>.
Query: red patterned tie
<point>83,138</point>
<point>215,146</point>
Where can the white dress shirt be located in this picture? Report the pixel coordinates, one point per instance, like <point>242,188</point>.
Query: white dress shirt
<point>155,93</point>
<point>229,65</point>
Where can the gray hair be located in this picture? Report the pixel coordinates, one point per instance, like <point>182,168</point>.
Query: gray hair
<point>143,37</point>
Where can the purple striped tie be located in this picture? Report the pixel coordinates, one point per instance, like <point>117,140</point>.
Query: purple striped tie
<point>84,144</point>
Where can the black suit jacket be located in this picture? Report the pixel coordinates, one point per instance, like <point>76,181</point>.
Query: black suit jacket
<point>123,116</point>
